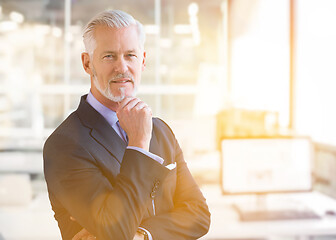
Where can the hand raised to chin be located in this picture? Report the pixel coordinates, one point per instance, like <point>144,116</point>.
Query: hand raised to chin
<point>135,117</point>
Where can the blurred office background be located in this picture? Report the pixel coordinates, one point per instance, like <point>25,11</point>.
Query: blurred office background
<point>215,69</point>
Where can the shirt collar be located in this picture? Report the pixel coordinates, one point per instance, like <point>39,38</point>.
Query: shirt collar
<point>108,114</point>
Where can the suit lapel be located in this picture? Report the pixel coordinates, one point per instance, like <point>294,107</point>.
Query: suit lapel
<point>105,135</point>
<point>155,146</point>
<point>110,140</point>
<point>101,130</point>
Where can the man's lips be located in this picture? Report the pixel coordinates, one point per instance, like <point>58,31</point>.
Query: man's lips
<point>121,80</point>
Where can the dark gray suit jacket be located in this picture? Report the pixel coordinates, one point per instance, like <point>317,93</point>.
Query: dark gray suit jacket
<point>110,190</point>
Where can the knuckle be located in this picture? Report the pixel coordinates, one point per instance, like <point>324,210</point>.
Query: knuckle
<point>148,110</point>
<point>127,108</point>
<point>135,100</point>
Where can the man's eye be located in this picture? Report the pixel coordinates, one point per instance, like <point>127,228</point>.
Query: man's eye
<point>111,56</point>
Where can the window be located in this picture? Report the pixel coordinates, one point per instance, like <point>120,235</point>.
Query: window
<point>259,68</point>
<point>42,77</point>
<point>315,69</point>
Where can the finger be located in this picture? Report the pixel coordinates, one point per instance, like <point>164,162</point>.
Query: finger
<point>140,105</point>
<point>81,234</point>
<point>131,104</point>
<point>148,109</point>
<point>124,102</point>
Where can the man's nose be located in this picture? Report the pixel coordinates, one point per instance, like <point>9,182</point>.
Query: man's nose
<point>121,65</point>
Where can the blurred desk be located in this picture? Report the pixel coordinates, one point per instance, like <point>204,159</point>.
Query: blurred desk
<point>225,223</point>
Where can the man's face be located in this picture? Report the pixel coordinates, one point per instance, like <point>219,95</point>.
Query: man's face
<point>117,63</point>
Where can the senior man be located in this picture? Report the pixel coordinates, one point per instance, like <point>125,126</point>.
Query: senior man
<point>112,170</point>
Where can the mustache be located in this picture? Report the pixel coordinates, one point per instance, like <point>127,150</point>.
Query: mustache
<point>122,75</point>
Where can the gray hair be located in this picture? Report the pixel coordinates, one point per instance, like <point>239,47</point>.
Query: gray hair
<point>112,19</point>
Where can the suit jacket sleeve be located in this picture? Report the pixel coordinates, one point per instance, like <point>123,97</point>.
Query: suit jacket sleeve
<point>108,211</point>
<point>189,218</point>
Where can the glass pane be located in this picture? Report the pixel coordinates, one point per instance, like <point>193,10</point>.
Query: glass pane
<point>187,49</point>
<point>53,108</point>
<point>176,107</point>
<point>315,69</point>
<point>150,100</point>
<point>74,101</point>
<point>259,35</point>
<point>190,36</point>
<point>31,32</point>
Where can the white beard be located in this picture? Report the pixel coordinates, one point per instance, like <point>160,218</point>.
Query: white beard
<point>107,91</point>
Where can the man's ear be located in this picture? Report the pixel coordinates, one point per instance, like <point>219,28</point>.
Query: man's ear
<point>86,63</point>
<point>144,60</point>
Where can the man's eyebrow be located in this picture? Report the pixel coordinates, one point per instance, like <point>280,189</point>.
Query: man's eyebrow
<point>104,53</point>
<point>131,51</point>
<point>114,52</point>
<point>109,52</point>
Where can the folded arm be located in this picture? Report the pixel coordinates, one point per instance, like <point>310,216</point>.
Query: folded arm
<point>106,211</point>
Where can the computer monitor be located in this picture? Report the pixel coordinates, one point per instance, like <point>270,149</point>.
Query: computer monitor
<point>266,165</point>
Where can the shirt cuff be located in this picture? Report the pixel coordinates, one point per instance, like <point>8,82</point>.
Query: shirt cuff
<point>148,233</point>
<point>148,154</point>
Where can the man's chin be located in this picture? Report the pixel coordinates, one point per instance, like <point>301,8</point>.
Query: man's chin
<point>120,95</point>
<point>116,98</point>
<point>124,95</point>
